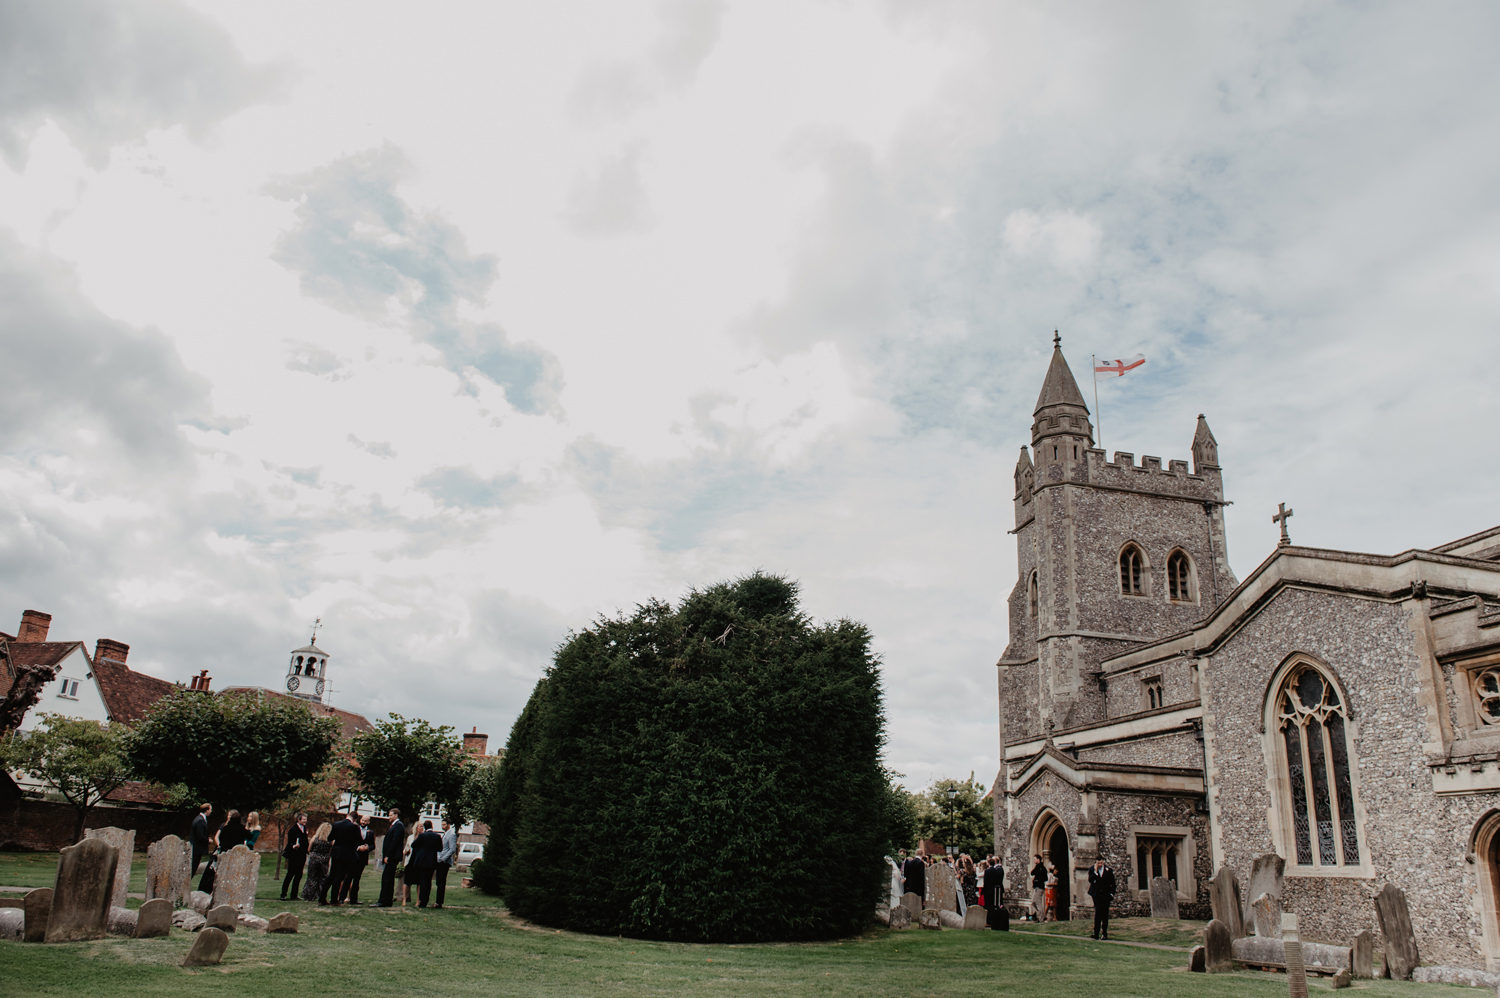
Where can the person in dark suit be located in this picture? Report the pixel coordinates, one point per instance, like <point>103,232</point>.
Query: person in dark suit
<point>423,863</point>
<point>994,896</point>
<point>198,835</point>
<point>362,854</point>
<point>346,840</point>
<point>295,851</point>
<point>390,856</point>
<point>914,872</point>
<point>1102,890</point>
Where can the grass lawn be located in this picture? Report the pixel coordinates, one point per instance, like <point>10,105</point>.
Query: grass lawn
<point>474,948</point>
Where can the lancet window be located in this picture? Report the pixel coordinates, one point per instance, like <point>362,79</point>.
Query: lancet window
<point>1132,571</point>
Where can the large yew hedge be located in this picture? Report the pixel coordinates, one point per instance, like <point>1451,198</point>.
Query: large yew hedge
<point>706,773</point>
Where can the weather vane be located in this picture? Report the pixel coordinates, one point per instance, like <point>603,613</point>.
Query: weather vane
<point>316,624</point>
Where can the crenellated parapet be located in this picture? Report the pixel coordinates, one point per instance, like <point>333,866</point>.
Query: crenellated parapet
<point>1175,480</point>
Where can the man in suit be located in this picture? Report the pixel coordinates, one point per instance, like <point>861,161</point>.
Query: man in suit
<point>295,852</point>
<point>345,840</point>
<point>445,861</point>
<point>424,853</point>
<point>1102,890</point>
<point>362,854</point>
<point>994,896</point>
<point>198,835</point>
<point>390,856</point>
<point>914,872</point>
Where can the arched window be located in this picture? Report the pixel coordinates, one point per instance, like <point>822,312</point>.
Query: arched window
<point>1179,577</point>
<point>1031,593</point>
<point>1312,735</point>
<point>1132,571</point>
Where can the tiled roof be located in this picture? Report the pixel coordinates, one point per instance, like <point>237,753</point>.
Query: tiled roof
<point>350,721</point>
<point>128,694</point>
<point>41,652</point>
<point>136,793</point>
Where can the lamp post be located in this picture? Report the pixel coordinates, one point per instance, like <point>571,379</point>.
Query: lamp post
<point>952,847</point>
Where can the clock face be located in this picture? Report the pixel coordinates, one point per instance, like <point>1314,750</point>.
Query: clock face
<point>319,687</point>
<point>292,682</point>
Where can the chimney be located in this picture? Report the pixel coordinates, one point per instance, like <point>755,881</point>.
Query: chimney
<point>112,650</point>
<point>475,743</point>
<point>34,624</point>
<point>200,681</point>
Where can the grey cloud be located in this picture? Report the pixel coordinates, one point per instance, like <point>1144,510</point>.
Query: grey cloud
<point>358,244</point>
<point>110,72</point>
<point>612,200</point>
<point>688,32</point>
<point>460,487</point>
<point>380,448</point>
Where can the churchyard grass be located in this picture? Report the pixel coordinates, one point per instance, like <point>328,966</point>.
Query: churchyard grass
<point>474,948</point>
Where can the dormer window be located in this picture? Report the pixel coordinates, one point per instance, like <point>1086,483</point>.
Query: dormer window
<point>1132,571</point>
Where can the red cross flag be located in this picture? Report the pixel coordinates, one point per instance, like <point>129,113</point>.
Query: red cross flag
<point>1118,367</point>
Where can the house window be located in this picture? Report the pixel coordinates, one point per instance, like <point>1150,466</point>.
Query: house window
<point>1179,578</point>
<point>1487,696</point>
<point>1156,856</point>
<point>69,689</point>
<point>432,810</point>
<point>1132,571</point>
<point>1313,740</point>
<point>1152,688</point>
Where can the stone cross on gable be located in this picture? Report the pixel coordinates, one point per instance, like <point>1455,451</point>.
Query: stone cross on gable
<point>1283,514</point>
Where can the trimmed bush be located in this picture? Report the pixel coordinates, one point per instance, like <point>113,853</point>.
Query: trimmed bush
<point>709,773</point>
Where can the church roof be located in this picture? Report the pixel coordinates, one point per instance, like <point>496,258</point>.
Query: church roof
<point>1059,388</point>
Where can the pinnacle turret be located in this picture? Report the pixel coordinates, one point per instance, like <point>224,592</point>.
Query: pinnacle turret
<point>1205,448</point>
<point>1061,418</point>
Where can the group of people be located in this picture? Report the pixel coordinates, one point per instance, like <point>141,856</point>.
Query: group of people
<point>209,844</point>
<point>983,884</point>
<point>336,855</point>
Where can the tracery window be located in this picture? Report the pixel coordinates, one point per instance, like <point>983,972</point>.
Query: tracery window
<point>1313,733</point>
<point>1155,857</point>
<point>1132,571</point>
<point>1487,695</point>
<point>1179,577</point>
<point>1153,689</point>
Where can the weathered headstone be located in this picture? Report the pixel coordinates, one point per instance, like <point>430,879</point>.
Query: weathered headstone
<point>81,895</point>
<point>38,907</point>
<point>123,842</point>
<point>1401,955</point>
<point>122,921</point>
<point>12,923</point>
<point>1266,910</point>
<point>169,870</point>
<point>208,948</point>
<point>1163,898</point>
<point>154,918</point>
<point>200,902</point>
<point>1196,962</point>
<point>1265,878</point>
<point>188,920</point>
<point>929,919</point>
<point>1340,980</point>
<point>287,922</point>
<point>1218,956</point>
<point>912,903</point>
<point>976,918</point>
<point>942,888</point>
<point>1270,951</point>
<point>1224,898</point>
<point>1362,955</point>
<point>900,918</point>
<point>253,922</point>
<point>950,919</point>
<point>1291,941</point>
<point>223,916</point>
<point>237,877</point>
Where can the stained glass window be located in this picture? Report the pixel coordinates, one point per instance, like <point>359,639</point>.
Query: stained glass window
<point>1315,748</point>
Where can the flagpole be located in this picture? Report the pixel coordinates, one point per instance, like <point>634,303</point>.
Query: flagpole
<point>1098,417</point>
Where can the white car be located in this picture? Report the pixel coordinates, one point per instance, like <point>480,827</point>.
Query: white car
<point>468,852</point>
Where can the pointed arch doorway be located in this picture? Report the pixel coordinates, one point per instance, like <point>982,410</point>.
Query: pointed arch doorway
<point>1484,849</point>
<point>1050,839</point>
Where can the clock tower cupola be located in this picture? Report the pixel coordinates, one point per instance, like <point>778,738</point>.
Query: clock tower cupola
<point>306,671</point>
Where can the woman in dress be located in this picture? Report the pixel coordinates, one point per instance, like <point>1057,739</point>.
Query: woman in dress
<point>319,854</point>
<point>252,828</point>
<point>968,879</point>
<point>1049,914</point>
<point>409,876</point>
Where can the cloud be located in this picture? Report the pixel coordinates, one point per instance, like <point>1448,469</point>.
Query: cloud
<point>688,31</point>
<point>612,199</point>
<point>1066,238</point>
<point>109,73</point>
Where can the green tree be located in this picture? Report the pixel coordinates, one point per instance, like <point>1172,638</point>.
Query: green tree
<point>405,763</point>
<point>680,774</point>
<point>84,761</point>
<point>955,813</point>
<point>242,750</point>
<point>901,809</point>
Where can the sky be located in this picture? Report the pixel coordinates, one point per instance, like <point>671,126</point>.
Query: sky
<point>457,325</point>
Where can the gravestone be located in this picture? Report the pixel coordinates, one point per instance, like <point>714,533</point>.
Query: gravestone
<point>1163,898</point>
<point>1218,956</point>
<point>38,907</point>
<point>1362,955</point>
<point>1296,974</point>
<point>188,920</point>
<point>929,919</point>
<point>1196,962</point>
<point>199,901</point>
<point>942,888</point>
<point>1265,878</point>
<point>253,922</point>
<point>12,923</point>
<point>169,870</point>
<point>154,918</point>
<point>81,895</point>
<point>976,918</point>
<point>238,875</point>
<point>1270,951</point>
<point>123,843</point>
<point>208,949</point>
<point>223,916</point>
<point>122,921</point>
<point>287,922</point>
<point>1401,955</point>
<point>1224,898</point>
<point>912,903</point>
<point>1340,980</point>
<point>900,918</point>
<point>950,919</point>
<point>1266,910</point>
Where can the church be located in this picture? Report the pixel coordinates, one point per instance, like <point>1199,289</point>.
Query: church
<point>1336,708</point>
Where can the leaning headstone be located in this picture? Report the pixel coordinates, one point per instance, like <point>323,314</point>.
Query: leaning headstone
<point>12,923</point>
<point>1362,955</point>
<point>976,918</point>
<point>80,898</point>
<point>900,918</point>
<point>200,902</point>
<point>122,921</point>
<point>253,922</point>
<point>1196,962</point>
<point>1340,980</point>
<point>1218,955</point>
<point>223,917</point>
<point>287,922</point>
<point>1163,898</point>
<point>1401,955</point>
<point>38,907</point>
<point>169,869</point>
<point>123,843</point>
<point>1296,974</point>
<point>1224,898</point>
<point>237,877</point>
<point>912,903</point>
<point>188,920</point>
<point>1265,878</point>
<point>950,919</point>
<point>942,888</point>
<point>154,918</point>
<point>1267,912</point>
<point>929,919</point>
<point>208,948</point>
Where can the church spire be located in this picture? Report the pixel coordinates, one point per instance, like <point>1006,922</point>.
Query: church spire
<point>1060,409</point>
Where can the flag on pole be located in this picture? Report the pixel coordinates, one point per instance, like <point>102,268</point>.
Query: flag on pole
<point>1118,367</point>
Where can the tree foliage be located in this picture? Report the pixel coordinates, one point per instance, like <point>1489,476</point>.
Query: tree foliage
<point>84,761</point>
<point>405,763</point>
<point>242,750</point>
<point>706,773</point>
<point>961,818</point>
